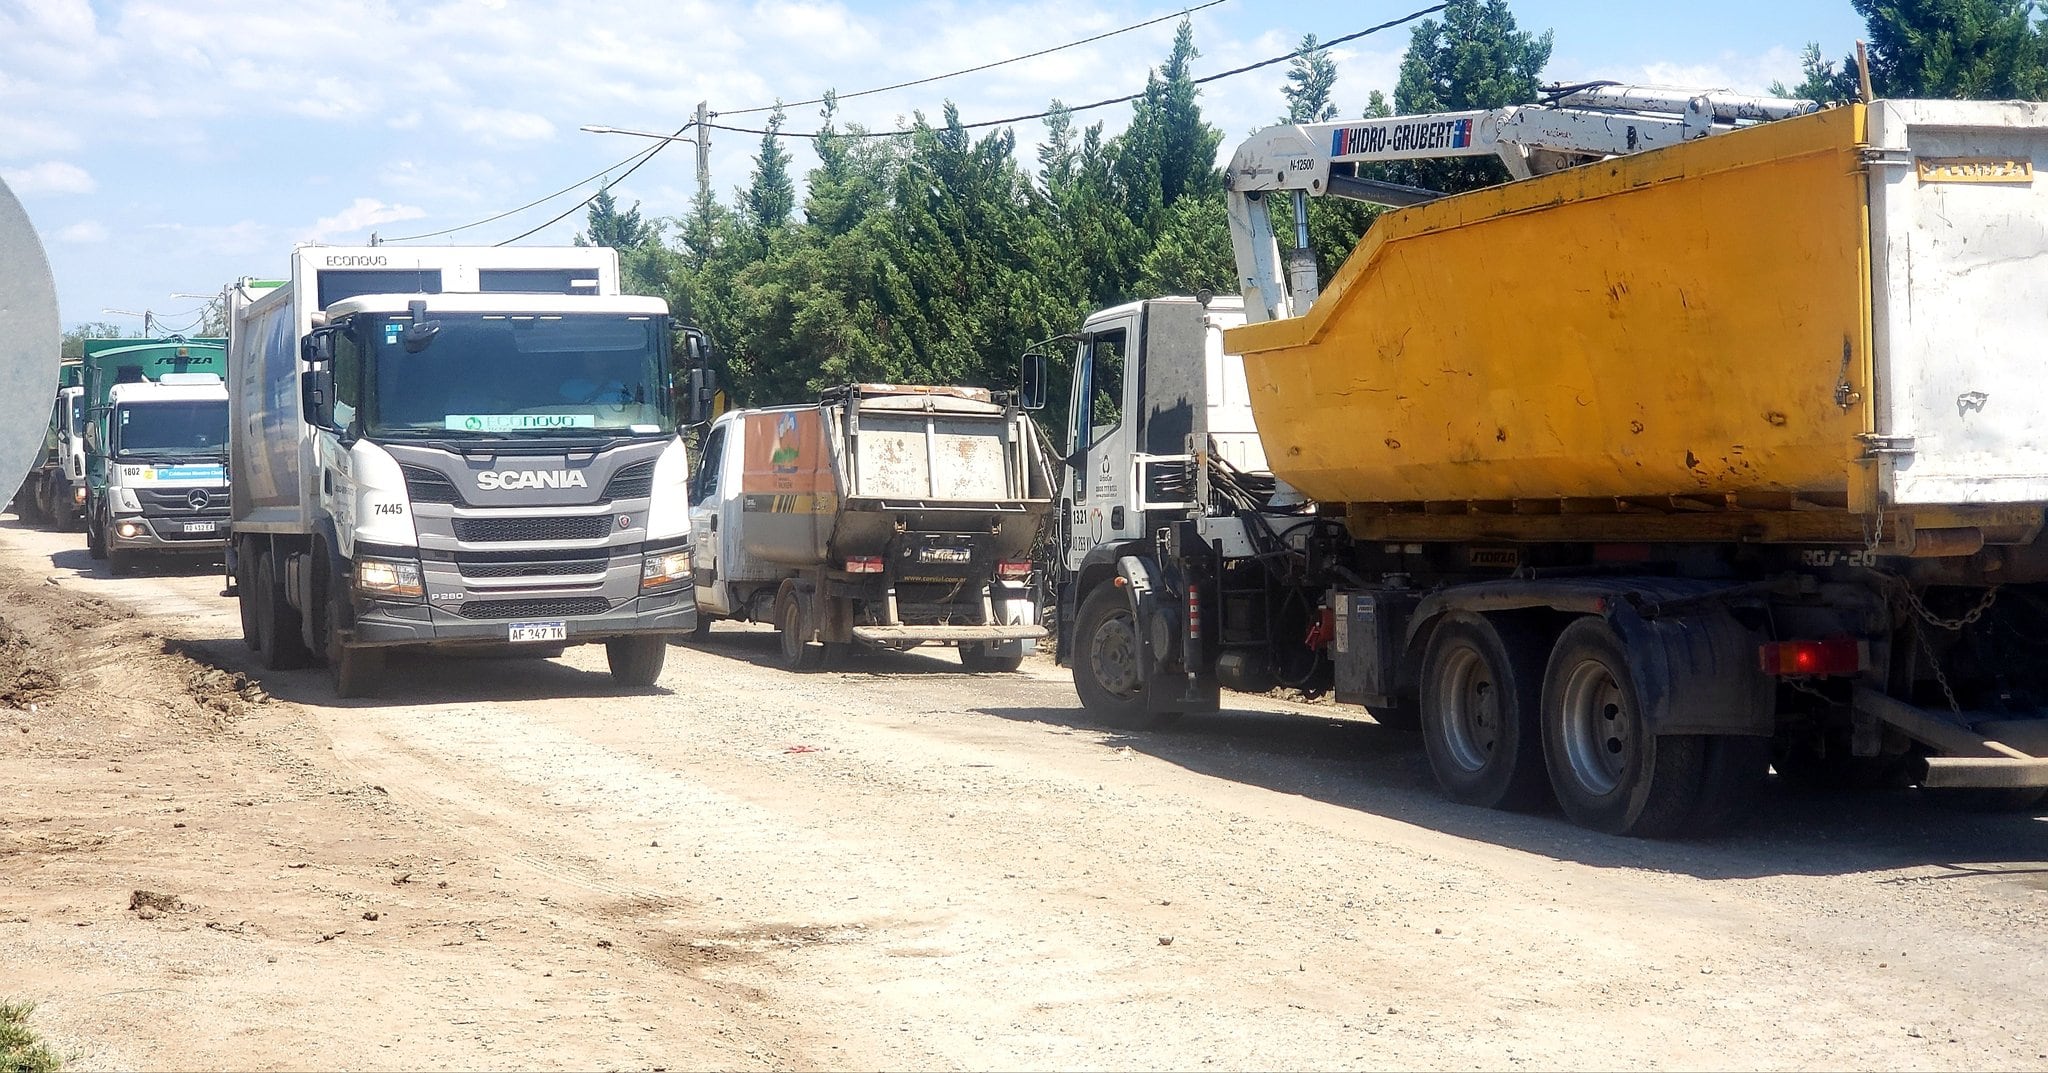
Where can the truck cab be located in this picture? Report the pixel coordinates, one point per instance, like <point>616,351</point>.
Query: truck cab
<point>1154,396</point>
<point>155,450</point>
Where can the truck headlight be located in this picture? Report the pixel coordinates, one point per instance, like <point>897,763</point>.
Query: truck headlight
<point>78,496</point>
<point>388,577</point>
<point>664,568</point>
<point>128,530</point>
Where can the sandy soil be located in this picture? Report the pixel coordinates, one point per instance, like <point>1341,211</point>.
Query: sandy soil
<point>515,863</point>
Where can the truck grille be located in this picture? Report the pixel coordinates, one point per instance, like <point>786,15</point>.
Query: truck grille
<point>427,486</point>
<point>532,564</point>
<point>557,607</point>
<point>634,482</point>
<point>572,527</point>
<point>156,501</point>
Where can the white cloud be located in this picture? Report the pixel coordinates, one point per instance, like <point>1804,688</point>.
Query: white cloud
<point>49,177</point>
<point>361,215</point>
<point>84,232</point>
<point>495,126</point>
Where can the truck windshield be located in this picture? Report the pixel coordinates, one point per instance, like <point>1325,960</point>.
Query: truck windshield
<point>492,375</point>
<point>165,427</point>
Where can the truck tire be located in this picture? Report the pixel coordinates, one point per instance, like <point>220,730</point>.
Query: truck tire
<point>1482,683</point>
<point>245,592</point>
<point>279,643</point>
<point>975,657</point>
<point>355,671</point>
<point>798,652</point>
<point>1609,773</point>
<point>636,661</point>
<point>1107,674</point>
<point>95,539</point>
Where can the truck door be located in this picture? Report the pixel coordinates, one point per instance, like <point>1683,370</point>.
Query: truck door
<point>706,498</point>
<point>1101,424</point>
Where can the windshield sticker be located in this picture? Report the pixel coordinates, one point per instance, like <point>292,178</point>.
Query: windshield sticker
<point>515,422</point>
<point>644,428</point>
<point>185,473</point>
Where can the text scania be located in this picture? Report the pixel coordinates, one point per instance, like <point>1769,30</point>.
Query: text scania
<point>1402,137</point>
<point>513,479</point>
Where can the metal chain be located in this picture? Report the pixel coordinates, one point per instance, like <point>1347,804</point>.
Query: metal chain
<point>1940,678</point>
<point>1951,625</point>
<point>1872,538</point>
<point>1903,589</point>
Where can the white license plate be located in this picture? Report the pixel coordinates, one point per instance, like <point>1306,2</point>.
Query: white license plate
<point>200,527</point>
<point>944,555</point>
<point>537,631</point>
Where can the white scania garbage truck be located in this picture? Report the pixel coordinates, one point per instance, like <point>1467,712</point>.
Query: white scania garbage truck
<point>448,446</point>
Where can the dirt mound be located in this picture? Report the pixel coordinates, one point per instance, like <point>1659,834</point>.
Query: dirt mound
<point>26,674</point>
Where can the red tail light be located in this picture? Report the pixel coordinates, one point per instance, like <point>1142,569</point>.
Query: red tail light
<point>1013,569</point>
<point>1834,656</point>
<point>1322,629</point>
<point>867,564</point>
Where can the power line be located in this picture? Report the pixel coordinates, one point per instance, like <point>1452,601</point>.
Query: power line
<point>1125,99</point>
<point>1181,14</point>
<point>644,158</point>
<point>639,157</point>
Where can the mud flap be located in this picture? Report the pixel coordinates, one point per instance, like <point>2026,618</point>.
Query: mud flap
<point>1696,673</point>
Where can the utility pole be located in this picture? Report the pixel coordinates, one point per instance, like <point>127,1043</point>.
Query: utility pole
<point>704,150</point>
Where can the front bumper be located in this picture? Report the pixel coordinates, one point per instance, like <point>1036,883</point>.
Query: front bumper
<point>167,534</point>
<point>391,623</point>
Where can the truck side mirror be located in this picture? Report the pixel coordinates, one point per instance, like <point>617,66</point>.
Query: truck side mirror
<point>317,347</point>
<point>703,398</point>
<point>316,395</point>
<point>1031,380</point>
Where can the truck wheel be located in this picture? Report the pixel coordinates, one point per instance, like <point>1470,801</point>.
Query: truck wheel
<point>278,640</point>
<point>1106,668</point>
<point>355,671</point>
<point>1481,690</point>
<point>245,592</point>
<point>1609,772</point>
<point>95,539</point>
<point>636,661</point>
<point>976,658</point>
<point>798,653</point>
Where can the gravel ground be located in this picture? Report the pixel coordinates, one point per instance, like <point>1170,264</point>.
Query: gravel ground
<point>515,863</point>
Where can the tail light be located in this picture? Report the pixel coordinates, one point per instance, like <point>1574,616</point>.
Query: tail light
<point>865,564</point>
<point>1013,569</point>
<point>1194,617</point>
<point>1790,659</point>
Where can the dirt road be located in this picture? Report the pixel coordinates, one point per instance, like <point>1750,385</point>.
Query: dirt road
<point>506,863</point>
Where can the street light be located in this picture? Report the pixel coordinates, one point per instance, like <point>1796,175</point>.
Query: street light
<point>701,139</point>
<point>644,133</point>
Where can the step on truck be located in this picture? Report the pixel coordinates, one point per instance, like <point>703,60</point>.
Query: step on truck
<point>882,515</point>
<point>1712,444</point>
<point>155,453</point>
<point>448,448</point>
<point>53,493</point>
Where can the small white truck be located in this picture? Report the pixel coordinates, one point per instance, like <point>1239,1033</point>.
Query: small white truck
<point>883,514</point>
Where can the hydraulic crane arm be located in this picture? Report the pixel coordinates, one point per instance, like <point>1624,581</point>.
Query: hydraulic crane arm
<point>1576,125</point>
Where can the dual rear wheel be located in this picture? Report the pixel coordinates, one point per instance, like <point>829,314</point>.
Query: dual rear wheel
<point>1512,720</point>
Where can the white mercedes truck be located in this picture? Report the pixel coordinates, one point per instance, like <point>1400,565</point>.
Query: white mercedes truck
<point>450,446</point>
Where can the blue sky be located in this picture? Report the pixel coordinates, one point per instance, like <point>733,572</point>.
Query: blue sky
<point>166,146</point>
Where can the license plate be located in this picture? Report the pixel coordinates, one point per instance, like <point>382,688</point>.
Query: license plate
<point>537,631</point>
<point>200,527</point>
<point>944,555</point>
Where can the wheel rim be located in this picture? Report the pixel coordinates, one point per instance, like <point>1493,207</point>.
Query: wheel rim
<point>1472,723</point>
<point>1113,654</point>
<point>1599,731</point>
